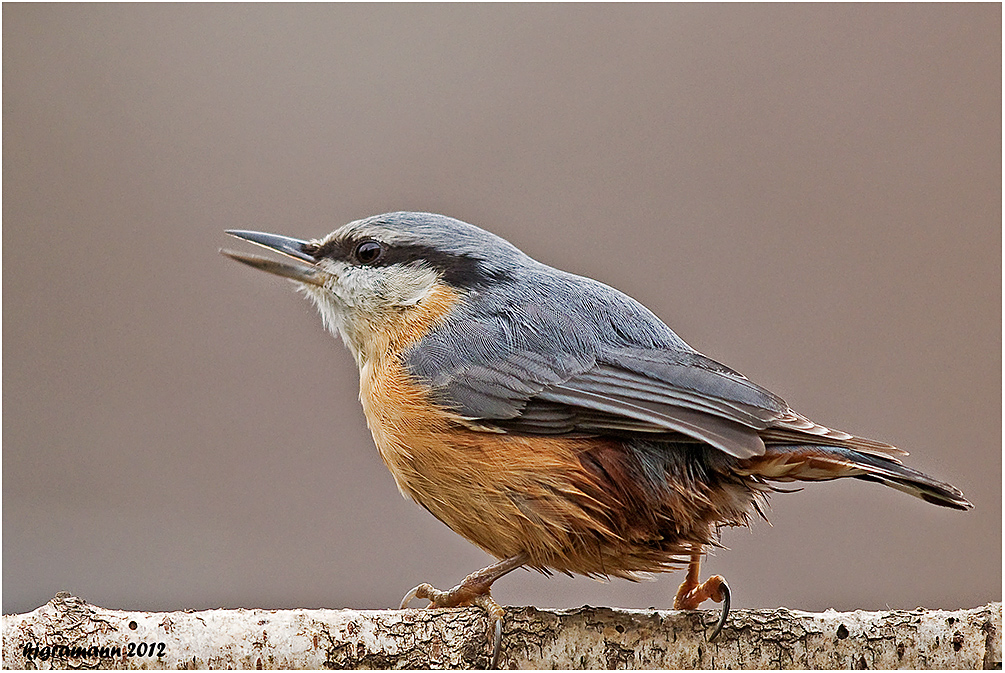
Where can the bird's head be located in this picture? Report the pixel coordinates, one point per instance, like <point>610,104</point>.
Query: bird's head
<point>389,276</point>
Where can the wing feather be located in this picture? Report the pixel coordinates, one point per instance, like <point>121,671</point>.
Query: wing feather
<point>729,436</point>
<point>574,356</point>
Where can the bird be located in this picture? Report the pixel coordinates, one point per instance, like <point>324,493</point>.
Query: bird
<point>550,419</point>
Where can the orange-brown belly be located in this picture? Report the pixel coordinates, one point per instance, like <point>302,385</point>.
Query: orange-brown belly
<point>571,504</point>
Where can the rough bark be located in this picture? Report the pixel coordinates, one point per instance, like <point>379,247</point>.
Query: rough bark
<point>68,633</point>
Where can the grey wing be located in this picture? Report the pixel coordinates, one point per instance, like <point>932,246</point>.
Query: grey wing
<point>638,391</point>
<point>527,393</point>
<point>538,372</point>
<point>697,397</point>
<point>573,356</point>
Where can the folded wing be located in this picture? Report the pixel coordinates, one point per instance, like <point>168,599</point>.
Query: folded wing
<point>535,371</point>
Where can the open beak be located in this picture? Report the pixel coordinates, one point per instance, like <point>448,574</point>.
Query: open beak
<point>291,247</point>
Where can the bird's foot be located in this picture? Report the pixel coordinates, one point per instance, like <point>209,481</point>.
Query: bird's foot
<point>464,595</point>
<point>474,590</point>
<point>691,594</point>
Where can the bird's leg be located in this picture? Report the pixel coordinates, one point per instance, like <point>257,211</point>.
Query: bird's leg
<point>691,593</point>
<point>474,590</point>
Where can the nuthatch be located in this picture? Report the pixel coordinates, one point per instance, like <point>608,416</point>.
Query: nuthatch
<point>551,420</point>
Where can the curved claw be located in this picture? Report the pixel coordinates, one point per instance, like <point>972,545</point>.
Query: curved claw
<point>421,591</point>
<point>496,645</point>
<point>408,598</point>
<point>724,589</point>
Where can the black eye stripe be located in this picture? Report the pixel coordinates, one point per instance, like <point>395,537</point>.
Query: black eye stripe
<point>459,270</point>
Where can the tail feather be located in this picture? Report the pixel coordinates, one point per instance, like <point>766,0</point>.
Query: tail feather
<point>822,463</point>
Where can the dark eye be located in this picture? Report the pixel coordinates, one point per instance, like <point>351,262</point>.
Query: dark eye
<point>369,252</point>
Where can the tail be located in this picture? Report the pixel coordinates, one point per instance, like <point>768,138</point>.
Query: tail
<point>782,462</point>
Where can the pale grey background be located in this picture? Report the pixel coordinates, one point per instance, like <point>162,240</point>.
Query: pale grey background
<point>810,194</point>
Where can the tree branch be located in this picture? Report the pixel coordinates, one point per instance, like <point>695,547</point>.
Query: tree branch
<point>66,632</point>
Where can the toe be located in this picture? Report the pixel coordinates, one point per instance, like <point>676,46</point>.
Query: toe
<point>496,614</point>
<point>689,598</point>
